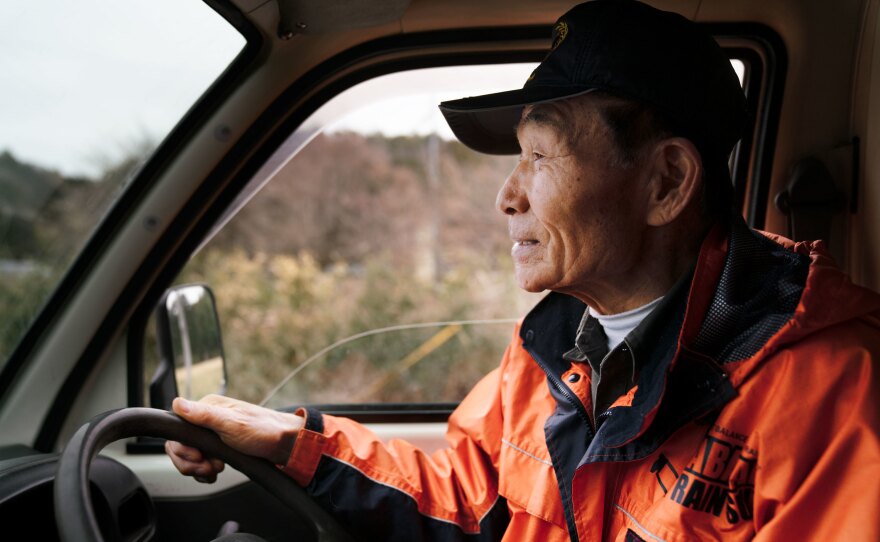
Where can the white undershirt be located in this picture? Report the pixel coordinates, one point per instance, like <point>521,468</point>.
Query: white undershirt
<point>618,326</point>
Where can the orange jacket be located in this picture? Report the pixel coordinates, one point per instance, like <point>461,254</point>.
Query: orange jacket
<point>757,419</point>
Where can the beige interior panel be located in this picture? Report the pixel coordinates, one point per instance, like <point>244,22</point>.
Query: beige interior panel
<point>864,257</point>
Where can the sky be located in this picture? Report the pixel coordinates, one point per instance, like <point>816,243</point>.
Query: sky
<point>406,103</point>
<point>415,111</point>
<point>86,82</point>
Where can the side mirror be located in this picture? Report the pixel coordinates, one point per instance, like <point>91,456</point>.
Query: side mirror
<point>191,361</point>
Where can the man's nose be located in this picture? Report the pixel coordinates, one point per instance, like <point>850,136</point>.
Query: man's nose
<point>511,198</point>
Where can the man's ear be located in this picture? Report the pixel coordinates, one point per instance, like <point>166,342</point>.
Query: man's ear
<point>676,179</point>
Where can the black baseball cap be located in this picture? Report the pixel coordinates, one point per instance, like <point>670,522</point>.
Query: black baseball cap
<point>627,49</point>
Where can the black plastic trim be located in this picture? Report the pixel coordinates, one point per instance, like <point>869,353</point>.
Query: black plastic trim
<point>754,75</point>
<point>856,174</point>
<point>255,510</point>
<point>775,66</point>
<point>134,348</point>
<point>163,386</point>
<point>766,57</point>
<point>388,412</point>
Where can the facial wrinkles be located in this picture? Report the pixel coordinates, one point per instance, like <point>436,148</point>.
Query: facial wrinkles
<point>580,203</point>
<point>541,146</point>
<point>557,176</point>
<point>600,193</point>
<point>615,254</point>
<point>578,245</point>
<point>546,115</point>
<point>552,159</point>
<point>556,119</point>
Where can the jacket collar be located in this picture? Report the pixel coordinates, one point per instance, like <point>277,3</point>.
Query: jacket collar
<point>735,290</point>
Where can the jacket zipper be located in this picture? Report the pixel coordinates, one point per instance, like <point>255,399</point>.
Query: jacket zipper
<point>575,402</point>
<point>563,389</point>
<point>579,407</point>
<point>600,419</point>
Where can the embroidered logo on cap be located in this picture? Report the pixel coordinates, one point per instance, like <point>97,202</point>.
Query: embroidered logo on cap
<point>560,32</point>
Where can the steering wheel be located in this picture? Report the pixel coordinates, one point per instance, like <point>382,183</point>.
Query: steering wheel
<point>75,514</point>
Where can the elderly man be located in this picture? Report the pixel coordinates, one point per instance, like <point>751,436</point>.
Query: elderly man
<point>687,379</point>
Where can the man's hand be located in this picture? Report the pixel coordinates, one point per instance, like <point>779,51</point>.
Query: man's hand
<point>250,429</point>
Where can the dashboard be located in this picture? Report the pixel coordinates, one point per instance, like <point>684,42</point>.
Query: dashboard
<point>123,508</point>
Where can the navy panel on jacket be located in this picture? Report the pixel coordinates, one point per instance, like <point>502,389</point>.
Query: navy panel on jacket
<point>374,511</point>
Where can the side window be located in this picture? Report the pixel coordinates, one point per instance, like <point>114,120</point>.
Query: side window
<point>372,267</point>
<point>366,268</point>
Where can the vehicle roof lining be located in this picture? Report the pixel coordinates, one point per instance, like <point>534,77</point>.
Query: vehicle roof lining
<point>310,17</point>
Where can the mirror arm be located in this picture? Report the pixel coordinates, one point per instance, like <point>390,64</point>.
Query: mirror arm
<point>163,385</point>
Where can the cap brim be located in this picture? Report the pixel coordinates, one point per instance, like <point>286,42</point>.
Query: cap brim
<point>488,123</point>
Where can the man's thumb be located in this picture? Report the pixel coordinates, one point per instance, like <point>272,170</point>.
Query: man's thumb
<point>190,411</point>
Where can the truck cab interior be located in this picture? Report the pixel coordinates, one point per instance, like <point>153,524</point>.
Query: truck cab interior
<point>281,181</point>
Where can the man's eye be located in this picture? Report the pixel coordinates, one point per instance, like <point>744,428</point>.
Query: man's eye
<point>536,156</point>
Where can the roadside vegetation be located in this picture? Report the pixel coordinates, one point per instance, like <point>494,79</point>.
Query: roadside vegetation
<point>45,219</point>
<point>401,231</point>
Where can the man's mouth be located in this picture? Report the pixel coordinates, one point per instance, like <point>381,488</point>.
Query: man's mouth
<point>524,250</point>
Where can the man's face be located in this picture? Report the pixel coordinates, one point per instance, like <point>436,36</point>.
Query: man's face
<point>576,217</point>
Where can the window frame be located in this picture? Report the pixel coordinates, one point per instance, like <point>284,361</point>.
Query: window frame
<point>764,54</point>
<point>758,46</point>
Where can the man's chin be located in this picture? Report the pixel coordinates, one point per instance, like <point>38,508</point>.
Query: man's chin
<point>529,283</point>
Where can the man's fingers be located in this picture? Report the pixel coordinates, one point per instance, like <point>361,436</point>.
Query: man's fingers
<point>216,464</point>
<point>197,413</point>
<point>203,470</point>
<point>247,428</point>
<point>183,408</point>
<point>188,460</point>
<point>191,468</point>
<point>193,455</point>
<point>219,400</point>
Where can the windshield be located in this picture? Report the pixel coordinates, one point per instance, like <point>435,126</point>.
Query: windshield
<point>89,90</point>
